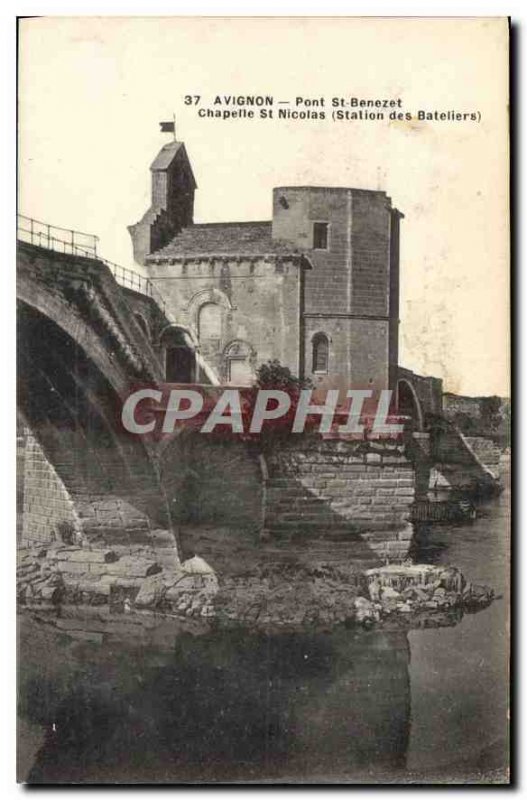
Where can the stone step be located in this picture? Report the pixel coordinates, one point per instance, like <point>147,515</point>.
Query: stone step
<point>288,491</point>
<point>297,500</point>
<point>312,525</point>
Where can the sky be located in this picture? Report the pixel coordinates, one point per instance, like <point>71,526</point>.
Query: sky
<point>92,92</point>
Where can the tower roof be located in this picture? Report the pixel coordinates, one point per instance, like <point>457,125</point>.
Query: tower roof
<point>167,155</point>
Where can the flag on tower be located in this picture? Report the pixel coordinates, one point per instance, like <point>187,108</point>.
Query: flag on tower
<point>168,127</point>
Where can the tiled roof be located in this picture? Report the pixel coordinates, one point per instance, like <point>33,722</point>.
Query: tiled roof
<point>233,238</point>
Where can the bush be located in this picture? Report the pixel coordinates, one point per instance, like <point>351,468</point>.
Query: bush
<point>273,375</point>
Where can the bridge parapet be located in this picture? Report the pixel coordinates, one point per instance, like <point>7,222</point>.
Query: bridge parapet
<point>81,295</point>
<point>78,243</point>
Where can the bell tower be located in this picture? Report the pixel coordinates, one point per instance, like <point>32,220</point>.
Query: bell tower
<point>172,201</point>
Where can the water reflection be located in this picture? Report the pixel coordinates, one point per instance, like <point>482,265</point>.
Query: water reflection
<point>459,675</point>
<point>222,707</point>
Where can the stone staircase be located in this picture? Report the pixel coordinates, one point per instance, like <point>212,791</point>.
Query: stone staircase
<point>341,492</point>
<point>291,508</point>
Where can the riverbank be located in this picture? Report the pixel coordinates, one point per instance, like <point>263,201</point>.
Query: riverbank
<point>270,598</point>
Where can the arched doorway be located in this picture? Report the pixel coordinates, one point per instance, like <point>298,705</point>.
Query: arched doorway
<point>180,360</point>
<point>408,404</point>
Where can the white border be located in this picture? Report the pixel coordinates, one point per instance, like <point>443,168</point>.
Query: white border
<point>8,13</point>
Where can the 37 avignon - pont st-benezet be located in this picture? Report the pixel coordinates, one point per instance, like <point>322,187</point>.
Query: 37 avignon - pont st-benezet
<point>267,100</point>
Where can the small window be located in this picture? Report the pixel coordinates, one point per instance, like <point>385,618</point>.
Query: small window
<point>238,361</point>
<point>320,235</point>
<point>320,353</point>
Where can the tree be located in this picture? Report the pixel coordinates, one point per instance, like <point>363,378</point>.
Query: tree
<point>490,411</point>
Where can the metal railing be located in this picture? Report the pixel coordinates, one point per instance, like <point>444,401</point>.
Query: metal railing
<point>64,240</point>
<point>52,237</point>
<point>130,279</point>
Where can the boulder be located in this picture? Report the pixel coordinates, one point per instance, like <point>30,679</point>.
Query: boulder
<point>197,566</point>
<point>151,592</point>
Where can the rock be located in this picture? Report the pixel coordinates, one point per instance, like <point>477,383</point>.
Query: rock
<point>85,555</point>
<point>52,593</point>
<point>131,566</point>
<point>420,595</point>
<point>479,595</point>
<point>197,566</point>
<point>374,589</point>
<point>152,591</point>
<point>210,583</point>
<point>431,604</point>
<point>365,610</point>
<point>390,594</point>
<point>186,583</point>
<point>182,605</point>
<point>362,602</point>
<point>405,608</point>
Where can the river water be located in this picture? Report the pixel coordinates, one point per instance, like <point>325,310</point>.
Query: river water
<point>426,705</point>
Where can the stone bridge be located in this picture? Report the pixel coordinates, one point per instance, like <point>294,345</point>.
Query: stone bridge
<point>83,341</point>
<point>446,460</point>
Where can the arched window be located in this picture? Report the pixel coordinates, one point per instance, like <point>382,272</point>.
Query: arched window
<point>209,323</point>
<point>320,352</point>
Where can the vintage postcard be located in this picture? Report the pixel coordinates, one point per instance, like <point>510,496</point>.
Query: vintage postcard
<point>263,440</point>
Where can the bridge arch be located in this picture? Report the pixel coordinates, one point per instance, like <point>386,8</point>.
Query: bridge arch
<point>104,478</point>
<point>54,306</point>
<point>408,403</point>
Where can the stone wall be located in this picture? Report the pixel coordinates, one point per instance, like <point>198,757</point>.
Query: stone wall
<point>340,489</point>
<point>257,301</point>
<point>352,274</point>
<point>487,452</point>
<point>488,417</point>
<point>347,293</point>
<point>456,403</point>
<point>211,481</point>
<point>48,511</point>
<point>146,310</point>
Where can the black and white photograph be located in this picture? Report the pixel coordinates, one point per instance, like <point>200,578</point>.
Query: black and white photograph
<point>263,412</point>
